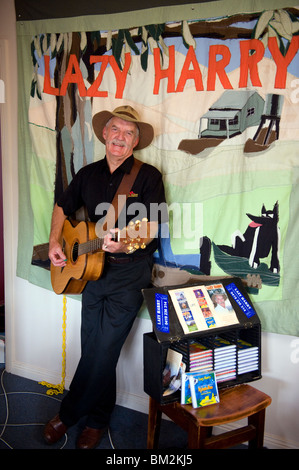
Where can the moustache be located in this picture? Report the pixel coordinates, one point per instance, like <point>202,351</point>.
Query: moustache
<point>120,143</point>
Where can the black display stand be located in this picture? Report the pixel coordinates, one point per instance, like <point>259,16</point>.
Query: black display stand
<point>156,343</point>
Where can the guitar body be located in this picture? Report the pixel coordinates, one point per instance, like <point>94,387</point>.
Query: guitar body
<point>72,278</point>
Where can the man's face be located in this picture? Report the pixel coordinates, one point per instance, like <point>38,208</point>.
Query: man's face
<point>220,300</point>
<point>121,137</point>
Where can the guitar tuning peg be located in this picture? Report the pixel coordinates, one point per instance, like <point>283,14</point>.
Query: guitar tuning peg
<point>137,222</point>
<point>130,249</point>
<point>144,219</point>
<point>136,246</point>
<point>143,245</point>
<point>131,222</point>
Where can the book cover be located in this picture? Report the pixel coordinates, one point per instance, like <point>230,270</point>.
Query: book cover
<point>186,398</point>
<point>197,309</point>
<point>172,374</point>
<point>204,389</point>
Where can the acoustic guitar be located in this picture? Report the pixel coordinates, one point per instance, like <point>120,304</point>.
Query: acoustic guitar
<point>84,254</point>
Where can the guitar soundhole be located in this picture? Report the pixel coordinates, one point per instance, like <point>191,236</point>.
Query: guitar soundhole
<point>75,252</point>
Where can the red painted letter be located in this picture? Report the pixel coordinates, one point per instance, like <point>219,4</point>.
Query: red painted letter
<point>248,62</point>
<point>121,76</point>
<point>93,90</point>
<point>47,80</point>
<point>167,73</point>
<point>187,74</point>
<point>71,77</point>
<point>217,67</point>
<point>281,61</point>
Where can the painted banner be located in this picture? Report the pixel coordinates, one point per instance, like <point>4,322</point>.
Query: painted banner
<point>222,95</point>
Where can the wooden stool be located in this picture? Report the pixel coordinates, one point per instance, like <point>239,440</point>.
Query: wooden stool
<point>241,401</point>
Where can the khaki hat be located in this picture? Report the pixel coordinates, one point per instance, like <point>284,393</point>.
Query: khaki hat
<point>127,113</point>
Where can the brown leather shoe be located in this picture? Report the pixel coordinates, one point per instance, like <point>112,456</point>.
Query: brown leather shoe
<point>54,430</point>
<point>90,438</point>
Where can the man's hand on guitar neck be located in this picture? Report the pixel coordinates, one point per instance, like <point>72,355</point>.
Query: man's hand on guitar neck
<point>111,243</point>
<point>131,238</point>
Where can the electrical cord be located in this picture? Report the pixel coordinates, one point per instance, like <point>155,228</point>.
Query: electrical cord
<point>6,406</point>
<point>5,425</point>
<point>49,392</point>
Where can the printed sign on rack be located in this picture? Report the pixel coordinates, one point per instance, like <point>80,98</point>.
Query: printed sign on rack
<point>240,299</point>
<point>162,315</point>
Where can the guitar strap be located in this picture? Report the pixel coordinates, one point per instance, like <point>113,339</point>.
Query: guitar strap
<point>117,204</point>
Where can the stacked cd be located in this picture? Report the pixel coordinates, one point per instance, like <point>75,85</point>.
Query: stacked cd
<point>248,357</point>
<point>225,360</point>
<point>200,357</point>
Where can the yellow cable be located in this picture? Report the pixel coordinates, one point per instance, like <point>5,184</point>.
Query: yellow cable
<point>56,389</point>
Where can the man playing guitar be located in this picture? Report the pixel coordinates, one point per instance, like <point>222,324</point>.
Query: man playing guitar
<point>111,302</point>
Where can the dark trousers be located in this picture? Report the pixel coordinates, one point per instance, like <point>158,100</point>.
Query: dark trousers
<point>109,308</point>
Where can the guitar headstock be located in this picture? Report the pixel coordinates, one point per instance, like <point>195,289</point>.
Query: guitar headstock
<point>135,235</point>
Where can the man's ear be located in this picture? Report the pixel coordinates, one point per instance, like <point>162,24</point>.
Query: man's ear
<point>136,141</point>
<point>104,133</point>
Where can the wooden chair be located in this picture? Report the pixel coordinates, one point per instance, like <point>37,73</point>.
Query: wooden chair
<point>236,403</point>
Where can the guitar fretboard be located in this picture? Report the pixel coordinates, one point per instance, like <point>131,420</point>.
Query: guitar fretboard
<point>90,246</point>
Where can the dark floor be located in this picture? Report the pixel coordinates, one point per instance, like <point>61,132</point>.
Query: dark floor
<point>25,408</point>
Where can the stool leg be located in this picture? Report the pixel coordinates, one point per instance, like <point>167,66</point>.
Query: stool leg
<point>154,422</point>
<point>258,421</point>
<point>197,436</point>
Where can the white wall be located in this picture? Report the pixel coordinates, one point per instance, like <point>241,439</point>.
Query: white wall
<point>34,315</point>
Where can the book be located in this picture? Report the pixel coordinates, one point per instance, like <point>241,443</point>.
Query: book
<point>204,389</point>
<point>172,374</point>
<point>199,389</point>
<point>186,398</point>
<point>201,308</point>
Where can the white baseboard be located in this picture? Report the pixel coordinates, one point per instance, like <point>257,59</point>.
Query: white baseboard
<point>270,440</point>
<point>133,402</point>
<point>37,374</point>
<point>275,442</point>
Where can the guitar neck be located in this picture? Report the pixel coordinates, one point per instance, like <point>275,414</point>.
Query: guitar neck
<point>129,235</point>
<point>90,246</point>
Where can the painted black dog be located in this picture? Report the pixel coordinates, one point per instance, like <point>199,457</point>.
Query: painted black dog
<point>261,236</point>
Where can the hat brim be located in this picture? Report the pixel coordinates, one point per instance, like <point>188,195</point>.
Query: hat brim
<point>146,131</point>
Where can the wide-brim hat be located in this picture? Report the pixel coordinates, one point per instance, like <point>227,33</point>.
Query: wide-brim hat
<point>127,113</point>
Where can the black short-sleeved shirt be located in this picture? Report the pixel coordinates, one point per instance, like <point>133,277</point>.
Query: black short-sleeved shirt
<point>94,187</point>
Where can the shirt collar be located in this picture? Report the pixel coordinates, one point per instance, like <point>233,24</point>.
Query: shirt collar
<point>126,166</point>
